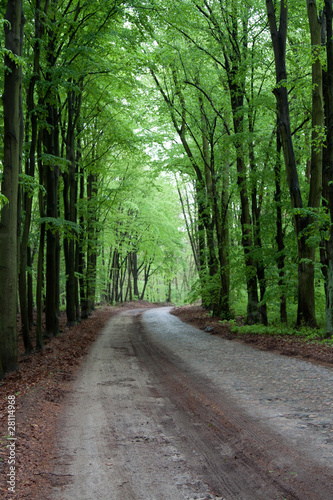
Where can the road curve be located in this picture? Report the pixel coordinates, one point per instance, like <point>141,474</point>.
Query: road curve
<point>161,410</point>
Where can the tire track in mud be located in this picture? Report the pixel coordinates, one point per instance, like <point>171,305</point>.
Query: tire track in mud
<point>113,444</point>
<point>237,455</point>
<point>141,424</point>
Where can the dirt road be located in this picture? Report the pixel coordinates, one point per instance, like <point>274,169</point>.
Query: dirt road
<point>162,411</point>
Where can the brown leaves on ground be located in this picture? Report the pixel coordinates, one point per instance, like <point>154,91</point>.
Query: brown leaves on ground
<point>288,346</point>
<point>40,385</point>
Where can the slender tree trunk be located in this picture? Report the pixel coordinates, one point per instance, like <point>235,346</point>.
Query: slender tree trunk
<point>129,294</point>
<point>26,196</point>
<point>237,94</point>
<point>135,274</point>
<point>324,244</point>
<point>224,244</point>
<point>168,298</point>
<point>329,158</point>
<point>194,246</point>
<point>40,261</point>
<point>115,277</point>
<point>280,258</point>
<point>255,212</point>
<point>92,242</point>
<point>81,257</point>
<point>30,289</point>
<point>220,306</point>
<point>39,290</point>
<point>23,289</point>
<point>70,200</point>
<point>220,216</point>
<point>253,315</point>
<point>51,141</point>
<point>146,278</point>
<point>306,297</point>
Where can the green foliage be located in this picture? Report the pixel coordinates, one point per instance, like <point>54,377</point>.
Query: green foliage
<point>30,184</point>
<point>306,333</point>
<point>152,99</point>
<point>61,226</point>
<point>3,200</point>
<point>206,289</point>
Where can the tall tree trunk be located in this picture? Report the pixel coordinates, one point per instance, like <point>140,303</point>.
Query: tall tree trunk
<point>324,244</point>
<point>237,98</point>
<point>189,229</point>
<point>30,288</point>
<point>168,297</point>
<point>236,85</point>
<point>70,200</point>
<point>224,244</point>
<point>255,212</point>
<point>26,200</point>
<point>115,277</point>
<point>9,188</point>
<point>329,158</point>
<point>135,274</point>
<point>220,265</point>
<point>129,294</point>
<point>146,278</point>
<point>201,228</point>
<point>92,242</point>
<point>81,253</point>
<point>40,261</point>
<point>26,196</point>
<point>51,178</point>
<point>220,217</point>
<point>51,142</point>
<point>280,258</point>
<point>306,297</point>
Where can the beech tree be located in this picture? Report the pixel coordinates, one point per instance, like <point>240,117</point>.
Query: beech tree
<point>306,253</point>
<point>13,137</point>
<point>120,99</point>
<point>328,167</point>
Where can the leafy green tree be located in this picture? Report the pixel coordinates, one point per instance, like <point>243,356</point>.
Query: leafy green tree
<point>306,253</point>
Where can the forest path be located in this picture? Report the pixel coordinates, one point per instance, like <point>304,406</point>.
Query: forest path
<point>163,411</point>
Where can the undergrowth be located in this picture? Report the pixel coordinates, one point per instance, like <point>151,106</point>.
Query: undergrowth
<point>306,333</point>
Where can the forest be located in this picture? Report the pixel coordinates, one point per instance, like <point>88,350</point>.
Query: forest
<point>168,151</point>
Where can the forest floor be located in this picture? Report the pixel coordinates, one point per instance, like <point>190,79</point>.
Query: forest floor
<point>40,385</point>
<point>45,378</point>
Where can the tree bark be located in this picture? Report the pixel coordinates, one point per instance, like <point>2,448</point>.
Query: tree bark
<point>51,142</point>
<point>51,178</point>
<point>329,158</point>
<point>81,252</point>
<point>92,242</point>
<point>280,258</point>
<point>237,101</point>
<point>70,200</point>
<point>306,297</point>
<point>13,120</point>
<point>234,61</point>
<point>27,197</point>
<point>135,274</point>
<point>146,278</point>
<point>40,261</point>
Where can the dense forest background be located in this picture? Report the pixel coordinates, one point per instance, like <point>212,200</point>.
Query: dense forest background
<point>168,151</point>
